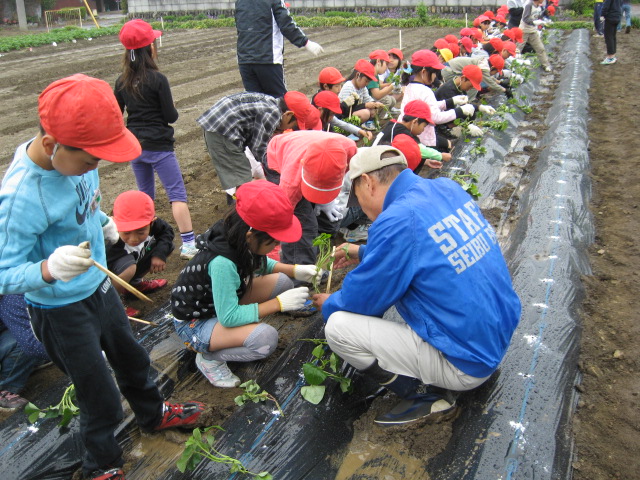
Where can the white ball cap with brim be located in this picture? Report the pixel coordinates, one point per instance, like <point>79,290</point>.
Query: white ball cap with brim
<point>369,159</point>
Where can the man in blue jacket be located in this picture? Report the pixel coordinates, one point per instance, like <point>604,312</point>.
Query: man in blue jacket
<point>432,255</point>
<point>262,26</point>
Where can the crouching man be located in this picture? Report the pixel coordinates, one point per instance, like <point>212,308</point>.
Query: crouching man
<point>432,255</point>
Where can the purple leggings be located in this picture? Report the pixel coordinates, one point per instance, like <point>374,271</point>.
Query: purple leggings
<point>166,164</point>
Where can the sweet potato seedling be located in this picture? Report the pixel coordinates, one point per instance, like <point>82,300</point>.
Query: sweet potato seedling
<point>325,364</point>
<point>252,393</point>
<point>325,259</point>
<point>65,409</point>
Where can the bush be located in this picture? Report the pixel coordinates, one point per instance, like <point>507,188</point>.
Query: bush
<point>581,6</point>
<point>124,6</point>
<point>333,13</point>
<point>422,12</point>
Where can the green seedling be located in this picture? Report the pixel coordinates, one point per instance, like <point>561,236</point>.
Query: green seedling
<point>468,182</point>
<point>325,364</point>
<point>325,259</point>
<point>252,393</point>
<point>65,409</point>
<point>200,446</point>
<point>478,148</point>
<point>495,124</point>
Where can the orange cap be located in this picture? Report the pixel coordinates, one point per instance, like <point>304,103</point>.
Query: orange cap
<point>323,167</point>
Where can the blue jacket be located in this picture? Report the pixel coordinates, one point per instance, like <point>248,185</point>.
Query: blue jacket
<point>433,255</point>
<point>41,210</point>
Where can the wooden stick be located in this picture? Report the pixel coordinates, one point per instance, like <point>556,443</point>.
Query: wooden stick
<point>333,254</point>
<point>134,319</point>
<point>122,283</point>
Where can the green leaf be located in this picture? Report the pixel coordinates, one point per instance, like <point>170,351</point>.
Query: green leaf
<point>34,417</point>
<point>67,415</point>
<point>318,352</point>
<point>313,375</point>
<point>197,435</point>
<point>345,384</point>
<point>333,362</point>
<point>239,400</point>
<point>264,476</point>
<point>30,408</point>
<point>313,393</point>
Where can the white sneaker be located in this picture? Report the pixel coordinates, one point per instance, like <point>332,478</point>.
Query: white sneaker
<point>359,234</point>
<point>188,251</point>
<point>217,372</point>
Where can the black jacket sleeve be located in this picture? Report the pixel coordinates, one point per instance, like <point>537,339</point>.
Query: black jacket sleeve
<point>287,26</point>
<point>163,234</point>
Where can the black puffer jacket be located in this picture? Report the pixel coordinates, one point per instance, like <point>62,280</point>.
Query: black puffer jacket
<point>612,10</point>
<point>261,25</point>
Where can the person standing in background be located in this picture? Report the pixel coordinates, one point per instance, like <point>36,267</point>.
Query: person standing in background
<point>515,12</point>
<point>597,21</point>
<point>612,13</point>
<point>626,10</point>
<point>262,26</point>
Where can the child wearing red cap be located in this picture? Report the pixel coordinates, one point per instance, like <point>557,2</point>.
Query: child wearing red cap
<point>230,284</point>
<point>355,87</point>
<point>74,310</point>
<point>378,89</point>
<point>311,168</point>
<point>145,93</point>
<point>145,241</point>
<point>250,120</point>
<point>393,75</point>
<point>490,82</point>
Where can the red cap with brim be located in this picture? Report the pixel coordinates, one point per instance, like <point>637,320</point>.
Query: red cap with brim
<point>397,52</point>
<point>409,148</point>
<point>474,74</point>
<point>323,167</point>
<point>379,55</point>
<point>441,43</point>
<point>137,34</point>
<point>133,210</point>
<point>306,116</point>
<point>265,207</point>
<point>467,43</point>
<point>418,109</point>
<point>496,61</point>
<point>82,112</point>
<point>328,99</point>
<point>363,66</point>
<point>451,38</point>
<point>426,58</point>
<point>497,44</point>
<point>330,76</point>
<point>510,47</point>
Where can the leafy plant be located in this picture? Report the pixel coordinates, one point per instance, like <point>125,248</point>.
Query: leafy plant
<point>468,182</point>
<point>421,11</point>
<point>200,446</point>
<point>500,125</point>
<point>252,393</point>
<point>325,259</point>
<point>478,148</point>
<point>65,409</point>
<point>325,364</point>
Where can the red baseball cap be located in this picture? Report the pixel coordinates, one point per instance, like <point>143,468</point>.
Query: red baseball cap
<point>497,44</point>
<point>82,112</point>
<point>137,34</point>
<point>132,210</point>
<point>323,167</point>
<point>552,10</point>
<point>426,58</point>
<point>328,99</point>
<point>484,18</point>
<point>496,61</point>
<point>379,55</point>
<point>397,52</point>
<point>510,47</point>
<point>474,74</point>
<point>500,19</point>
<point>467,44</point>
<point>477,34</point>
<point>364,66</point>
<point>307,116</point>
<point>455,49</point>
<point>409,148</point>
<point>451,38</point>
<point>489,14</point>
<point>466,32</point>
<point>514,34</point>
<point>330,76</point>
<point>418,109</point>
<point>265,207</point>
<point>441,43</point>
<point>476,22</point>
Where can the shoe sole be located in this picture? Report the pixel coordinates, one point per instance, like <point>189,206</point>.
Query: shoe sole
<point>449,414</point>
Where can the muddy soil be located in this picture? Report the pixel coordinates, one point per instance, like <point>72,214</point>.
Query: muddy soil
<point>201,67</point>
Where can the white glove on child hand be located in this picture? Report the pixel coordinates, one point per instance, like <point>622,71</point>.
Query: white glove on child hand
<point>306,273</point>
<point>460,100</point>
<point>349,101</point>
<point>110,232</point>
<point>331,210</point>
<point>488,109</point>
<point>468,110</point>
<point>517,78</point>
<point>475,131</point>
<point>314,48</point>
<point>293,299</point>
<point>69,261</point>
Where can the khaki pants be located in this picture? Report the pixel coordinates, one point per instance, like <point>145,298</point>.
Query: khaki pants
<point>360,340</point>
<point>533,39</point>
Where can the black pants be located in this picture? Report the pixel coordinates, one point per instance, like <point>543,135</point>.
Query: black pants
<point>74,336</point>
<point>610,30</point>
<point>263,78</point>
<point>515,15</point>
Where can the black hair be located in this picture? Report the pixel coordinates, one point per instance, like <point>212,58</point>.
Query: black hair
<point>235,232</point>
<point>326,86</point>
<point>410,118</point>
<point>406,76</point>
<point>135,73</point>
<point>325,118</point>
<point>355,73</point>
<point>399,67</point>
<point>67,147</point>
<point>490,49</point>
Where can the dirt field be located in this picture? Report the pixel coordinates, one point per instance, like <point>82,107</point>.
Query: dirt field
<point>201,67</point>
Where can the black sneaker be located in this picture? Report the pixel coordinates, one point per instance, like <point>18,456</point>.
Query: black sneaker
<point>111,474</point>
<point>434,403</point>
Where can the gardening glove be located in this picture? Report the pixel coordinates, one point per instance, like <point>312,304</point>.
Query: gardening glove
<point>349,101</point>
<point>508,92</point>
<point>537,23</point>
<point>468,110</point>
<point>314,48</point>
<point>293,299</point>
<point>306,273</point>
<point>517,78</point>
<point>488,109</point>
<point>460,100</point>
<point>69,261</point>
<point>475,131</point>
<point>456,131</point>
<point>355,96</point>
<point>110,232</point>
<point>331,210</point>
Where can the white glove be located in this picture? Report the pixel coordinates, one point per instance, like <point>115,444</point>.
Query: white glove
<point>475,131</point>
<point>460,100</point>
<point>314,48</point>
<point>69,261</point>
<point>537,23</point>
<point>331,210</point>
<point>468,109</point>
<point>293,299</point>
<point>355,96</point>
<point>526,61</point>
<point>306,273</point>
<point>110,232</point>
<point>349,101</point>
<point>488,109</point>
<point>456,131</point>
<point>517,77</point>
